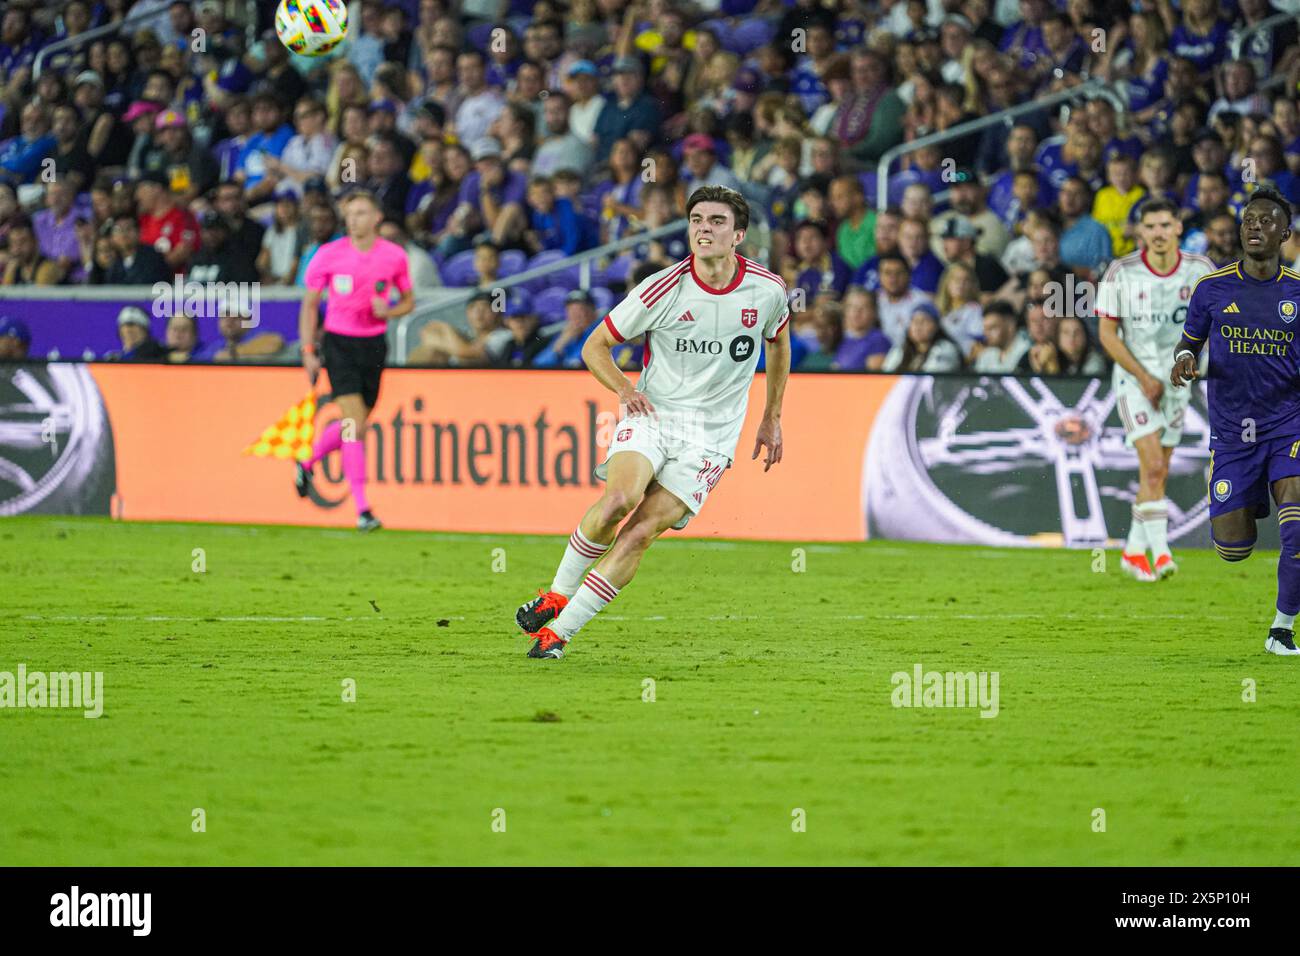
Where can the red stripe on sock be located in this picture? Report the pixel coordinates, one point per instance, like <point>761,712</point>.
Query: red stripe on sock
<point>583,549</point>
<point>602,587</point>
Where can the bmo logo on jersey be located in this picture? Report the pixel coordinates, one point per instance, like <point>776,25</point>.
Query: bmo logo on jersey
<point>741,348</point>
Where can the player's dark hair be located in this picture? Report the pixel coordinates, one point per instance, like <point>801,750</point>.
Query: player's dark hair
<point>1270,195</point>
<point>1157,204</point>
<point>728,197</point>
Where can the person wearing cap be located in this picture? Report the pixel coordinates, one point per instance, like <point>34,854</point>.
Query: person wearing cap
<point>21,156</point>
<point>139,118</point>
<point>190,169</point>
<point>490,202</point>
<point>559,147</point>
<point>926,347</point>
<point>277,262</point>
<point>136,336</point>
<point>630,113</point>
<point>271,137</point>
<point>486,343</point>
<point>524,326</point>
<point>164,225</point>
<point>958,245</point>
<point>135,263</point>
<point>582,83</point>
<point>15,339</point>
<point>700,165</point>
<point>218,258</point>
<point>564,347</point>
<point>480,104</point>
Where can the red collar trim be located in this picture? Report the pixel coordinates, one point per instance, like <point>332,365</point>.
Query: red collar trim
<point>740,274</point>
<point>1163,275</point>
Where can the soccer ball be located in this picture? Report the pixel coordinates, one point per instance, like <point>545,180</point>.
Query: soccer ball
<point>311,27</point>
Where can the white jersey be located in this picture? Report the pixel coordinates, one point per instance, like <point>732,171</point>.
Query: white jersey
<point>702,345</point>
<point>1151,308</point>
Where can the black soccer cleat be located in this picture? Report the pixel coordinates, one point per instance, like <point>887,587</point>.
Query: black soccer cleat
<point>301,479</point>
<point>368,522</point>
<point>540,611</point>
<point>548,646</point>
<point>1281,641</point>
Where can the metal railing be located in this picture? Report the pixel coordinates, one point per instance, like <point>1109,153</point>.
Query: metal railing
<point>411,324</point>
<point>1268,23</point>
<point>108,29</point>
<point>1092,88</point>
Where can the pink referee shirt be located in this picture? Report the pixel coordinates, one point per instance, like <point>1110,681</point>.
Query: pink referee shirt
<point>352,278</point>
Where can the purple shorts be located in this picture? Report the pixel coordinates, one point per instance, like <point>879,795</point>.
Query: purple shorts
<point>1241,475</point>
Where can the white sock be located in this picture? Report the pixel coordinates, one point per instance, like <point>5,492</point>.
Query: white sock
<point>581,553</point>
<point>591,598</point>
<point>1137,535</point>
<point>1284,620</point>
<point>1156,523</point>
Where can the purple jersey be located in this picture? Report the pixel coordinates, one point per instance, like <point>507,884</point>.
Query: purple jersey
<point>1254,362</point>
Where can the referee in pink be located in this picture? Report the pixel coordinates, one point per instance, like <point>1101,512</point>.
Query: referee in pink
<point>360,272</point>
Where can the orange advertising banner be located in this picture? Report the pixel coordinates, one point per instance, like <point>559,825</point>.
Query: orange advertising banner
<point>474,451</point>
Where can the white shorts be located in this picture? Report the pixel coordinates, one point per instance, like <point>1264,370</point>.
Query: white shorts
<point>686,471</point>
<point>1139,417</point>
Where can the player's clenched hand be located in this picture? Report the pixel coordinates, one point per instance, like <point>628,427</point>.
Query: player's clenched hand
<point>1184,371</point>
<point>635,403</point>
<point>769,436</point>
<point>1153,389</point>
<point>311,363</point>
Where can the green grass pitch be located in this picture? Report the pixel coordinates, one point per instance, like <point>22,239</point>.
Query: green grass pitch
<point>772,694</point>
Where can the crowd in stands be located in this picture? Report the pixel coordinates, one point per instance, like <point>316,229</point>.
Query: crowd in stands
<point>501,134</point>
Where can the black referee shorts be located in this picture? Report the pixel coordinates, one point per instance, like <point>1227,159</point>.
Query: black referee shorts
<point>355,364</point>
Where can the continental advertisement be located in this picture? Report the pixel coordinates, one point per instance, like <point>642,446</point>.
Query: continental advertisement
<point>992,460</point>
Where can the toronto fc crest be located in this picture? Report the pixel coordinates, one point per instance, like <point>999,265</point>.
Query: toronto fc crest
<point>749,318</point>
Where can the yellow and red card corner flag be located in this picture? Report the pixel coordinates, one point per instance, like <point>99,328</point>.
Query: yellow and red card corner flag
<point>291,436</point>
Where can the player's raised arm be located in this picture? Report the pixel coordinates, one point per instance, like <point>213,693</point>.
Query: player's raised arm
<point>596,353</point>
<point>778,373</point>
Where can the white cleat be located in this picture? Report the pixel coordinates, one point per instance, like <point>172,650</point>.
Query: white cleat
<point>1137,567</point>
<point>1281,641</point>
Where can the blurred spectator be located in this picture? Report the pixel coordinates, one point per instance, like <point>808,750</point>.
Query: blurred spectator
<point>967,200</point>
<point>587,103</point>
<point>914,246</point>
<point>21,156</point>
<point>630,113</point>
<point>388,180</point>
<point>59,228</point>
<point>490,202</point>
<point>855,240</point>
<point>479,105</point>
<point>958,302</point>
<point>958,247</point>
<point>487,342</point>
<point>238,118</point>
<point>280,75</point>
<point>823,339</point>
<point>862,345</point>
<point>1115,201</point>
<point>814,268</point>
<point>245,233</point>
<point>1239,93</point>
<point>170,229</point>
<point>271,136</point>
<point>926,348</point>
<point>1004,343</point>
<point>487,263</point>
<point>308,153</point>
<point>1223,239</point>
<point>552,222</point>
<point>516,130</point>
<point>219,259</point>
<point>897,298</point>
<point>283,241</point>
<point>71,161</point>
<point>424,274</point>
<point>1078,355</point>
<point>564,348</point>
<point>182,339</point>
<point>189,168</point>
<point>322,227</point>
<point>15,339</point>
<point>1043,357</point>
<point>134,263</point>
<point>235,344</point>
<point>139,118</point>
<point>1084,242</point>
<point>702,166</point>
<point>25,264</point>
<point>523,324</point>
<point>559,147</point>
<point>869,122</point>
<point>138,343</point>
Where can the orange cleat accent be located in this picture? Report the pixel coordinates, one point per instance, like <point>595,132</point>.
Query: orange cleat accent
<point>1165,566</point>
<point>549,644</point>
<point>1136,566</point>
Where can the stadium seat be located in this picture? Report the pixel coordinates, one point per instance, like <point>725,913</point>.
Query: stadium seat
<point>549,303</point>
<point>602,298</point>
<point>567,278</point>
<point>617,272</point>
<point>513,262</point>
<point>459,269</point>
